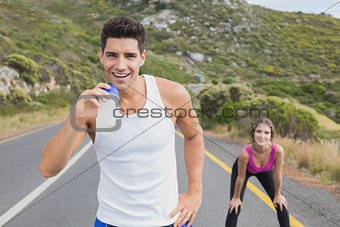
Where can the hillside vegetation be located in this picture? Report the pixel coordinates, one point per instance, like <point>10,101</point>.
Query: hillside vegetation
<point>54,44</point>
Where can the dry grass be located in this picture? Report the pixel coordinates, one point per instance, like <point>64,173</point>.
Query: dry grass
<point>233,134</point>
<point>21,121</point>
<point>319,158</point>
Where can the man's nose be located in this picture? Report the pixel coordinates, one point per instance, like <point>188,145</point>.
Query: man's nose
<point>121,65</point>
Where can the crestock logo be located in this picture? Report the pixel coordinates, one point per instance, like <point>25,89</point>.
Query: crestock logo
<point>241,112</point>
<point>105,121</point>
<point>154,113</point>
<point>235,113</point>
<point>110,115</point>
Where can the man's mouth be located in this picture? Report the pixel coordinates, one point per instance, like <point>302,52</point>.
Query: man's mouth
<point>120,75</point>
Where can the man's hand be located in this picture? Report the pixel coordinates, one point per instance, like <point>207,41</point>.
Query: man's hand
<point>188,205</point>
<point>88,108</point>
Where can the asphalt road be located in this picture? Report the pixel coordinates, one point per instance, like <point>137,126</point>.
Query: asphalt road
<point>71,200</point>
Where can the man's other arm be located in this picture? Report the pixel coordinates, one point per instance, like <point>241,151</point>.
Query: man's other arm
<point>190,202</point>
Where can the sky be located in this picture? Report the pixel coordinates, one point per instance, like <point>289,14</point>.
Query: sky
<point>306,6</point>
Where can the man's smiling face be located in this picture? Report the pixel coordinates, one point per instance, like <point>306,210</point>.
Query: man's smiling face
<point>121,60</point>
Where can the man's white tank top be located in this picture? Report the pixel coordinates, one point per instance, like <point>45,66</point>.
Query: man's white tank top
<point>138,173</point>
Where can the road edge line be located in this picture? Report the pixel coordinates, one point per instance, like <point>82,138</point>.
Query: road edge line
<point>8,215</point>
<point>29,132</point>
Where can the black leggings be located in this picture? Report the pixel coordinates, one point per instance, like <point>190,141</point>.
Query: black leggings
<point>266,179</point>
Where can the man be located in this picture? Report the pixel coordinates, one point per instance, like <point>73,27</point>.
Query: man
<point>138,178</point>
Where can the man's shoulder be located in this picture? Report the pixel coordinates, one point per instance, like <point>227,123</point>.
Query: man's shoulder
<point>171,89</point>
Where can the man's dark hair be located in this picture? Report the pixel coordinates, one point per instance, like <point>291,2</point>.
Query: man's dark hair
<point>123,27</point>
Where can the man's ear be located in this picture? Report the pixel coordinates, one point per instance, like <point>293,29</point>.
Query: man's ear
<point>101,55</point>
<point>143,57</point>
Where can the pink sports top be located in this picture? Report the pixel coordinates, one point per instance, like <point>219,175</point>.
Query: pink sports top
<point>251,167</point>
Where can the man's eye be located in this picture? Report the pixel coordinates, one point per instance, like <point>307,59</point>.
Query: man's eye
<point>131,56</point>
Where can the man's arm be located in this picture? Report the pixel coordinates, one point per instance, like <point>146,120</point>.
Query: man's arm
<point>190,202</point>
<point>60,148</point>
<point>58,151</point>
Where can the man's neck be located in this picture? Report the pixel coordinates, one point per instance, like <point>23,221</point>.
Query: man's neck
<point>134,93</point>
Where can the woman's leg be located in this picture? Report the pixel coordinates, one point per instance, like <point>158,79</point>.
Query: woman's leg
<point>267,181</point>
<point>232,217</point>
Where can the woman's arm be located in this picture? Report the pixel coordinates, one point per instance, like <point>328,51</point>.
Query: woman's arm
<point>241,175</point>
<point>277,176</point>
<point>242,169</point>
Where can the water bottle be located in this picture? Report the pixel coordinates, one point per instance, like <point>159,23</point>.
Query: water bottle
<point>106,121</point>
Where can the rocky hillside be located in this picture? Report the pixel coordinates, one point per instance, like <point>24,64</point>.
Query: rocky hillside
<point>47,44</point>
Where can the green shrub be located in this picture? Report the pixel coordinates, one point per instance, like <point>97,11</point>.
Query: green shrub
<point>212,98</point>
<point>281,88</point>
<point>228,80</point>
<point>315,88</point>
<point>332,67</point>
<point>240,92</point>
<point>319,107</point>
<point>85,69</point>
<point>27,68</point>
<point>2,98</point>
<point>305,126</point>
<point>45,74</point>
<point>288,120</point>
<point>17,96</point>
<point>331,97</point>
<point>337,119</point>
<point>60,70</point>
<point>268,69</point>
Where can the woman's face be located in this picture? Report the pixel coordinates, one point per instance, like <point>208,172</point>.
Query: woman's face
<point>262,135</point>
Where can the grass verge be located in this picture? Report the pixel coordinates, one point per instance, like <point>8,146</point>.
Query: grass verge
<point>13,124</point>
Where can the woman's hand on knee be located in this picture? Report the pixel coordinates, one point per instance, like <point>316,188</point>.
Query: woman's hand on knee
<point>234,204</point>
<point>280,201</point>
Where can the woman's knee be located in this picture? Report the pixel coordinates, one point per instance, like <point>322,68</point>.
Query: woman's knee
<point>283,212</point>
<point>233,213</point>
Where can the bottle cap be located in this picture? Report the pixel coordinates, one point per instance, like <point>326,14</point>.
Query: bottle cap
<point>112,90</point>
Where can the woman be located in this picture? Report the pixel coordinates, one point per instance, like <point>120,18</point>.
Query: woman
<point>263,159</point>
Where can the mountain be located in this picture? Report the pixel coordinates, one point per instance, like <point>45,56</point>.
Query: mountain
<point>51,44</point>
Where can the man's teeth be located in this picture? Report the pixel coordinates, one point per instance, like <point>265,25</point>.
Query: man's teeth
<point>121,75</point>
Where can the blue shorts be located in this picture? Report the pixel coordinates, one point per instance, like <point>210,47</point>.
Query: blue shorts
<point>98,223</point>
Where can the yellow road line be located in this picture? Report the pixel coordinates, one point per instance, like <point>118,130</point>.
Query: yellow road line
<point>252,187</point>
<point>29,132</point>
